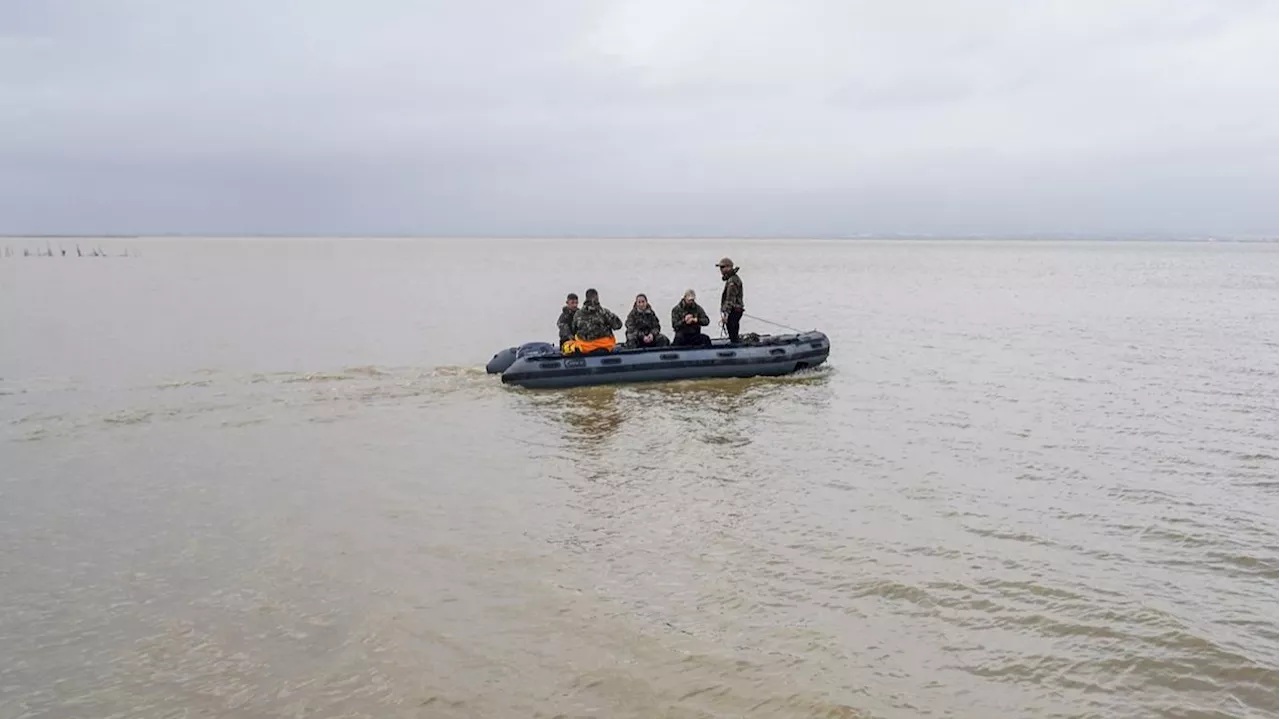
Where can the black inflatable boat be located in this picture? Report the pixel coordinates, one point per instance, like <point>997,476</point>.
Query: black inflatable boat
<point>540,365</point>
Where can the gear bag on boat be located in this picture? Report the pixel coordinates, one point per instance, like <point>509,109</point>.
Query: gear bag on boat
<point>580,346</point>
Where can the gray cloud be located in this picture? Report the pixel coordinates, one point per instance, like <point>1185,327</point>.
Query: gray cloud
<point>638,118</point>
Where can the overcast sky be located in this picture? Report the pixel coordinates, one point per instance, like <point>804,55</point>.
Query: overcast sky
<point>700,117</point>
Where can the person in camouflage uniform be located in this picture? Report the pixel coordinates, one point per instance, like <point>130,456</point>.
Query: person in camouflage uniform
<point>565,323</point>
<point>644,329</point>
<point>687,320</point>
<point>593,322</point>
<point>731,305</point>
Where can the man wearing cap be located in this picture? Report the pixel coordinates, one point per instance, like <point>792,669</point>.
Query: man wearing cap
<point>687,320</point>
<point>731,306</point>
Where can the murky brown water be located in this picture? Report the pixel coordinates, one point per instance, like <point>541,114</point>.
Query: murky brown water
<point>271,479</point>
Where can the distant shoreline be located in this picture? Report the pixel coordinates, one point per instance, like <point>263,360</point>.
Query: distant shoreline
<point>695,238</point>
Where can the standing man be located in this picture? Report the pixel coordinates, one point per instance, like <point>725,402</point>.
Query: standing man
<point>731,306</point>
<point>565,323</point>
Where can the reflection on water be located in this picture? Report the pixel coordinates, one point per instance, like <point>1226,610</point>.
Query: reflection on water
<point>590,416</point>
<point>732,412</point>
<point>715,411</point>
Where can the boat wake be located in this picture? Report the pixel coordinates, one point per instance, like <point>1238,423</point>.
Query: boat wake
<point>226,399</point>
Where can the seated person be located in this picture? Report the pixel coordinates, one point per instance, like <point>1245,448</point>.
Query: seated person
<point>593,327</point>
<point>687,320</point>
<point>644,329</point>
<point>565,323</point>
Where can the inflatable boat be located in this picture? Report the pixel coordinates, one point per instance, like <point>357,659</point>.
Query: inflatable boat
<point>539,365</point>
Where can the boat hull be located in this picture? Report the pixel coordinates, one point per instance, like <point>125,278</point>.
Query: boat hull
<point>773,357</point>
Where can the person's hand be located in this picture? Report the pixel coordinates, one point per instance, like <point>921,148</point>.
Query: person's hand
<point>724,318</point>
<point>688,318</point>
<point>648,338</point>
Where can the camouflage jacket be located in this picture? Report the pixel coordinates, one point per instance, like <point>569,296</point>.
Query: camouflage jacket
<point>565,323</point>
<point>680,310</point>
<point>731,296</point>
<point>592,322</point>
<point>643,323</point>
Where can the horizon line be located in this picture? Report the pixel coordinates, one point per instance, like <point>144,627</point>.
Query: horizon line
<point>1048,236</point>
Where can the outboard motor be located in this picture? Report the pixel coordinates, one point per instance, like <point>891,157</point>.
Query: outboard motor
<point>507,357</point>
<point>535,349</point>
<point>501,361</point>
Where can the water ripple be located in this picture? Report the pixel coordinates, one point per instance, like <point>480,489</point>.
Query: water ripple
<point>1034,480</point>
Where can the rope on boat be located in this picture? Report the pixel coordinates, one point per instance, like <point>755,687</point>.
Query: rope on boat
<point>724,330</point>
<point>775,324</point>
